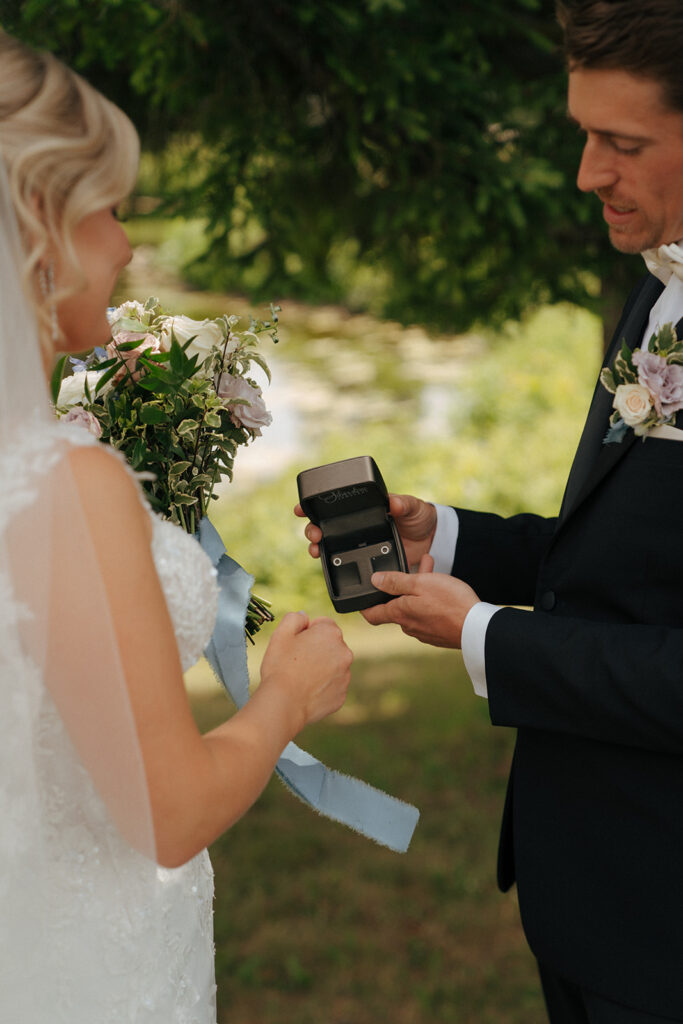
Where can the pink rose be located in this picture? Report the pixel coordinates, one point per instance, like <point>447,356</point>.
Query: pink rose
<point>663,380</point>
<point>252,416</point>
<point>148,343</point>
<point>77,414</point>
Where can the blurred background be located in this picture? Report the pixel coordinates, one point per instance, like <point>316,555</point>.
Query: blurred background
<point>398,176</point>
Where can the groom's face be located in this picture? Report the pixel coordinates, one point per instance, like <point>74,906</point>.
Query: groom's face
<point>632,157</point>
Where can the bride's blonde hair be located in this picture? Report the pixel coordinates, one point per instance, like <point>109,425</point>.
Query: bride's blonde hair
<point>68,152</point>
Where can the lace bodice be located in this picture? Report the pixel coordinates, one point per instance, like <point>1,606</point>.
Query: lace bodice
<point>189,583</point>
<point>100,934</point>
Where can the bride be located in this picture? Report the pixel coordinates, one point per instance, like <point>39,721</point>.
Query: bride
<point>109,795</point>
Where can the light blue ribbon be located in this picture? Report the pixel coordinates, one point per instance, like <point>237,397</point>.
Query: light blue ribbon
<point>350,801</point>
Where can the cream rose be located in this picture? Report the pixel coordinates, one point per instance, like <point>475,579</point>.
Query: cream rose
<point>633,403</point>
<point>205,335</point>
<point>72,389</point>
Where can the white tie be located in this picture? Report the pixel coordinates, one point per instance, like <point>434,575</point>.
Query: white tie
<point>665,262</point>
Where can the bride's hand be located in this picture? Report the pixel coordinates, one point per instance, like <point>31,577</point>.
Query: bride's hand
<point>415,520</point>
<point>309,664</point>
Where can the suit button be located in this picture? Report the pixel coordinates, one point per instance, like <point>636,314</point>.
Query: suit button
<point>548,600</point>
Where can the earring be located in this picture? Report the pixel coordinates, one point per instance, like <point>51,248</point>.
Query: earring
<point>46,279</point>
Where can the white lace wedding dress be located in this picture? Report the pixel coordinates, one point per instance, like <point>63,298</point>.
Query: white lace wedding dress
<point>109,937</point>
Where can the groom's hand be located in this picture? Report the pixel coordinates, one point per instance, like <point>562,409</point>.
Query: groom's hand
<point>415,520</point>
<point>428,606</point>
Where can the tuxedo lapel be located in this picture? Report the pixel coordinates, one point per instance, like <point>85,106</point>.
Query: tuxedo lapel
<point>593,458</point>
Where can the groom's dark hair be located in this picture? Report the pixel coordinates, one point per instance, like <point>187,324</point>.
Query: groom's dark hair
<point>642,37</point>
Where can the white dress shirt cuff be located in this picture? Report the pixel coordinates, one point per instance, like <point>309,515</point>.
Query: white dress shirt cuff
<point>473,640</point>
<point>445,538</point>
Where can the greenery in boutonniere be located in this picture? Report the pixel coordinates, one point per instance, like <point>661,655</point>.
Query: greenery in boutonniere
<point>647,385</point>
<point>173,395</point>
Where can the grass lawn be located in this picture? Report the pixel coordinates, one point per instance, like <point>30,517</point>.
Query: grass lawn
<point>317,925</point>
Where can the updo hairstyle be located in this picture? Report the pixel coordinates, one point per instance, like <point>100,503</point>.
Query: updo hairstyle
<point>68,152</point>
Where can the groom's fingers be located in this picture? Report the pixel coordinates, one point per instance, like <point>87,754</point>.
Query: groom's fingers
<point>398,584</point>
<point>394,583</point>
<point>312,533</point>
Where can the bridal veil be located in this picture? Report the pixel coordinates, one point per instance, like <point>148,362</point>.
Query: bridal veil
<point>77,857</point>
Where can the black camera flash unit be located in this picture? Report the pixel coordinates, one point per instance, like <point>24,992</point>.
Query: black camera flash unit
<point>348,500</point>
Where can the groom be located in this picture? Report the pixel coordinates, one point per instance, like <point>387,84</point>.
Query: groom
<point>592,678</point>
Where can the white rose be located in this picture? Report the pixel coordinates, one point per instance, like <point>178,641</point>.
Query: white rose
<point>205,334</point>
<point>633,403</point>
<point>130,310</point>
<point>72,389</point>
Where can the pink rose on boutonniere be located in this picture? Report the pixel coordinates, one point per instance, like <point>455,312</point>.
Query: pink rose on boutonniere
<point>663,380</point>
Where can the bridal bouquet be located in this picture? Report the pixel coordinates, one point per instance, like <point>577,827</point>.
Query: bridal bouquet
<point>173,395</point>
<point>647,385</point>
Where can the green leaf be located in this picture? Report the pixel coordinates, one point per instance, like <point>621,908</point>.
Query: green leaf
<point>666,338</point>
<point>626,354</point>
<point>57,377</point>
<point>106,377</point>
<point>184,499</point>
<point>186,428</point>
<point>177,356</point>
<point>256,357</point>
<point>152,414</point>
<point>624,370</point>
<point>607,380</point>
<point>128,346</point>
<point>178,468</point>
<point>157,385</point>
<point>138,454</point>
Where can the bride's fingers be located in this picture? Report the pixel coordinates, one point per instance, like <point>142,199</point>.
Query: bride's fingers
<point>293,623</point>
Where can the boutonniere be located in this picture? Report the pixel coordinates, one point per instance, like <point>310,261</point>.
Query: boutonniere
<point>647,385</point>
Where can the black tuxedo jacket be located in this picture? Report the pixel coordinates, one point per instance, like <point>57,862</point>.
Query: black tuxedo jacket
<point>593,681</point>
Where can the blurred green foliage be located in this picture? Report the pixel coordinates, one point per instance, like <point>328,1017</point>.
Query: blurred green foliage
<point>411,157</point>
